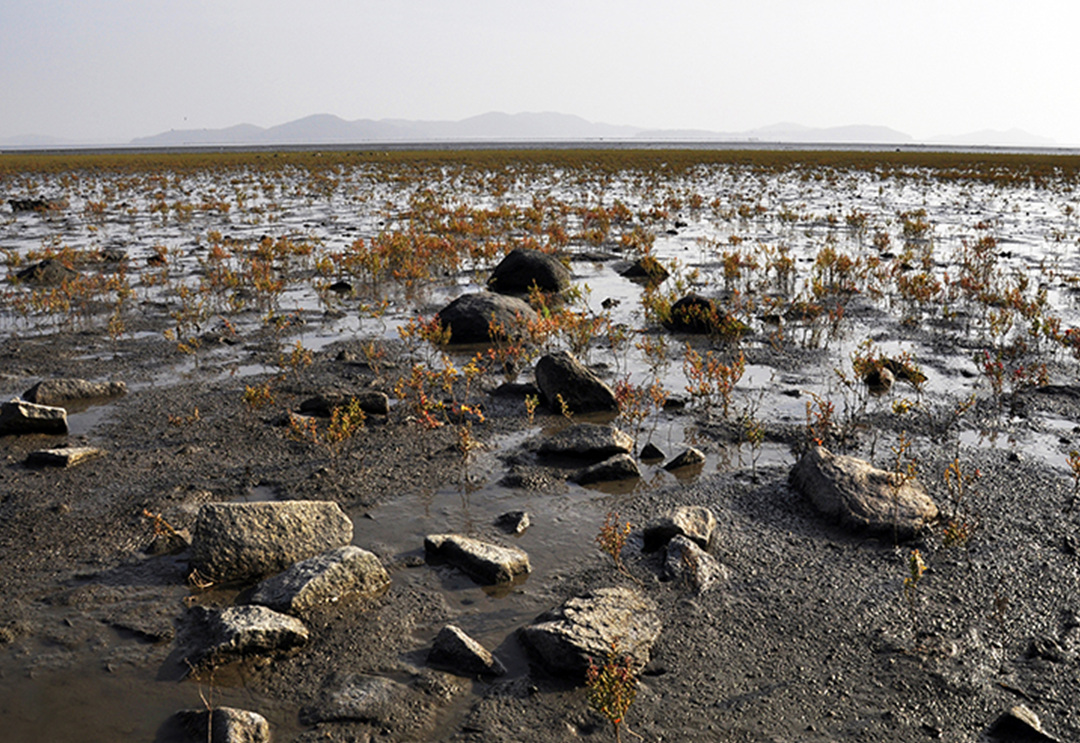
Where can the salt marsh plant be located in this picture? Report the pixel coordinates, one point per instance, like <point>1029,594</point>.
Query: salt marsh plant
<point>611,687</point>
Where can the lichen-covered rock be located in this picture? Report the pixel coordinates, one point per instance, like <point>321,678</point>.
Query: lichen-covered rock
<point>862,496</point>
<point>588,626</point>
<point>243,541</point>
<point>323,579</point>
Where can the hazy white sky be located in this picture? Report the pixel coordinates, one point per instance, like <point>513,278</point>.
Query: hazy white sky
<point>117,69</point>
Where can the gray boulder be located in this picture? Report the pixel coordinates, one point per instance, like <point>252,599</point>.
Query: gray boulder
<point>62,391</point>
<point>560,375</point>
<point>588,627</point>
<point>221,636</point>
<point>612,469</point>
<point>695,522</point>
<point>243,541</point>
<point>487,563</point>
<point>18,417</point>
<point>455,651</point>
<point>523,267</point>
<point>323,579</point>
<point>687,563</point>
<point>222,725</point>
<point>471,317</point>
<point>862,496</point>
<point>587,441</point>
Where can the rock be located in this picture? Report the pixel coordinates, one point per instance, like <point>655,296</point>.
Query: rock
<point>522,268</point>
<point>693,314</point>
<point>222,725</point>
<point>340,287</point>
<point>358,697</point>
<point>62,391</point>
<point>1019,725</point>
<point>587,441</point>
<point>322,405</point>
<point>514,522</point>
<point>648,270</point>
<point>323,579</point>
<point>687,563</point>
<point>18,417</point>
<point>242,541</point>
<point>218,636</point>
<point>695,522</point>
<point>455,651</point>
<point>48,272</point>
<point>651,453</point>
<point>589,626</point>
<point>66,456</point>
<point>472,317</point>
<point>562,375</point>
<point>862,496</point>
<point>690,457</point>
<point>618,467</point>
<point>487,563</point>
<point>879,381</point>
<point>30,205</point>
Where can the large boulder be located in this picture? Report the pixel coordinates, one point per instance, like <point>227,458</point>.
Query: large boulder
<point>862,496</point>
<point>216,636</point>
<point>487,563</point>
<point>561,376</point>
<point>485,316</point>
<point>62,391</point>
<point>523,268</point>
<point>590,441</point>
<point>323,579</point>
<point>220,725</point>
<point>589,626</point>
<point>18,417</point>
<point>243,541</point>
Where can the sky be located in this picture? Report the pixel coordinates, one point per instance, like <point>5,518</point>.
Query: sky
<point>112,70</point>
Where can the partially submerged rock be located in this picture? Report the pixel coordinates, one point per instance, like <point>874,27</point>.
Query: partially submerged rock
<point>220,725</point>
<point>323,579</point>
<point>64,456</point>
<point>514,522</point>
<point>485,316</point>
<point>62,391</point>
<point>687,563</point>
<point>689,457</point>
<point>522,268</point>
<point>565,381</point>
<point>612,469</point>
<point>455,651</point>
<point>48,272</point>
<point>242,541</point>
<point>18,418</point>
<point>695,522</point>
<point>487,563</point>
<point>588,626</point>
<point>861,495</point>
<point>323,405</point>
<point>221,636</point>
<point>587,441</point>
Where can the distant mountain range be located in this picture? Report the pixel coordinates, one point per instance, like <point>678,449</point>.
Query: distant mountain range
<point>327,129</point>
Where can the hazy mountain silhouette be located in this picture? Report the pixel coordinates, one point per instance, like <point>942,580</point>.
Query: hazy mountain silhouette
<point>995,138</point>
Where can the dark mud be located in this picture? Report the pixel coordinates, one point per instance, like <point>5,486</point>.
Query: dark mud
<point>811,639</point>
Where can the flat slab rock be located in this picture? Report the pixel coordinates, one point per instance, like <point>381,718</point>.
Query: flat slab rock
<point>862,496</point>
<point>65,456</point>
<point>587,441</point>
<point>221,636</point>
<point>487,563</point>
<point>323,579</point>
<point>62,391</point>
<point>18,417</point>
<point>244,541</point>
<point>588,626</point>
<point>222,725</point>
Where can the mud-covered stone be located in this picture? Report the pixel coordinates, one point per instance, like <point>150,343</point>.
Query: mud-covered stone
<point>455,651</point>
<point>215,636</point>
<point>487,563</point>
<point>688,457</point>
<point>220,725</point>
<point>19,418</point>
<point>612,469</point>
<point>560,376</point>
<point>587,441</point>
<point>60,392</point>
<point>243,541</point>
<point>64,456</point>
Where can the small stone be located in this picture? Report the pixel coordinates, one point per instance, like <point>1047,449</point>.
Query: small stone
<point>690,457</point>
<point>651,453</point>
<point>487,563</point>
<point>618,467</point>
<point>688,563</point>
<point>514,522</point>
<point>221,725</point>
<point>695,522</point>
<point>1019,724</point>
<point>67,456</point>
<point>587,441</point>
<point>455,651</point>
<point>323,579</point>
<point>221,636</point>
